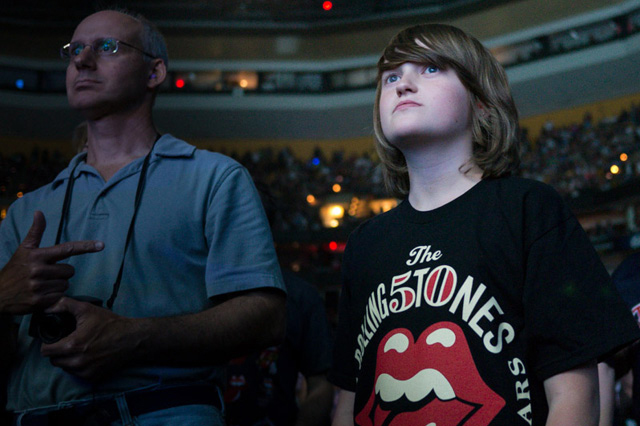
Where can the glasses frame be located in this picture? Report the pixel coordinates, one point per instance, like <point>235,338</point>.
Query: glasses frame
<point>65,54</point>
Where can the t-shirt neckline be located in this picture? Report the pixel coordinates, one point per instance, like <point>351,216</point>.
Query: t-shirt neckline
<point>417,216</point>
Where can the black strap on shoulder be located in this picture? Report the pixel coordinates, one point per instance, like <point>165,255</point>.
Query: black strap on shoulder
<point>67,203</point>
<point>141,183</point>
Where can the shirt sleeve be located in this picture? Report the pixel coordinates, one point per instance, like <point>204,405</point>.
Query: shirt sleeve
<point>571,307</point>
<point>241,251</point>
<point>9,234</point>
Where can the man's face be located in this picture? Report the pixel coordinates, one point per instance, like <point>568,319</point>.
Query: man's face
<point>102,85</point>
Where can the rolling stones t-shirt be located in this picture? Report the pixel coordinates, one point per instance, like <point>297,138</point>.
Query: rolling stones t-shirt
<point>457,315</point>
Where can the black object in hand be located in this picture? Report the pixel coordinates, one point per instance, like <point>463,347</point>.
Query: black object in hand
<point>51,327</point>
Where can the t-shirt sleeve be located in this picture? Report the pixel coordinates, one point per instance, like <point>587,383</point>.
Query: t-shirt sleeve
<point>241,251</point>
<point>573,314</point>
<point>343,372</point>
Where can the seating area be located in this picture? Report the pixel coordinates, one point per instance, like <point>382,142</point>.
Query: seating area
<point>578,159</point>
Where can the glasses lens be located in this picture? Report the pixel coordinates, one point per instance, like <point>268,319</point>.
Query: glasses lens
<point>106,46</point>
<point>75,49</point>
<point>64,52</point>
<point>70,50</point>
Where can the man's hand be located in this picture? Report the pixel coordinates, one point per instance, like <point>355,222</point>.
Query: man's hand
<point>97,347</point>
<point>32,279</point>
<point>104,342</point>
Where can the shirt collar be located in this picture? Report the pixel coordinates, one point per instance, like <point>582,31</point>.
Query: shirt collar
<point>167,146</point>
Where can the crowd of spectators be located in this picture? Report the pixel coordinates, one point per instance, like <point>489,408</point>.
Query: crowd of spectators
<point>20,173</point>
<point>587,156</point>
<point>575,159</point>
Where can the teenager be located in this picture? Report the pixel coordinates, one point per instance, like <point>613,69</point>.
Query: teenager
<point>479,299</point>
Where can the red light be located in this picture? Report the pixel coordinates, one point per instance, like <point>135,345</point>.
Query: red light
<point>333,246</point>
<point>179,83</point>
<point>327,5</point>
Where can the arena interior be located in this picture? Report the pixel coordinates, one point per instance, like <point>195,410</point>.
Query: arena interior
<point>287,87</point>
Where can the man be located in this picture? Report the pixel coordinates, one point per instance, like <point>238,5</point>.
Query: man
<point>171,240</point>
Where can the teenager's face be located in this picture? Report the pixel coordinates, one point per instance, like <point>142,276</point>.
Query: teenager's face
<point>422,102</point>
<point>99,85</point>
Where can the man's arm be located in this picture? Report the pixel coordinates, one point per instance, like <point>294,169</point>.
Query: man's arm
<point>104,342</point>
<point>344,409</point>
<point>572,397</point>
<point>314,410</point>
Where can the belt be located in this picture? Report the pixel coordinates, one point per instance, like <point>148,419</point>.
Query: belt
<point>105,411</point>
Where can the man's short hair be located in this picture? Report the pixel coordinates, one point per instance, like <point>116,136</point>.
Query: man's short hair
<point>151,38</point>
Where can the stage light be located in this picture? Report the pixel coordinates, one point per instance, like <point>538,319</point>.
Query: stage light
<point>333,246</point>
<point>615,169</point>
<point>311,199</point>
<point>331,215</point>
<point>337,211</point>
<point>624,157</point>
<point>336,188</point>
<point>327,5</point>
<point>180,83</point>
<point>20,83</point>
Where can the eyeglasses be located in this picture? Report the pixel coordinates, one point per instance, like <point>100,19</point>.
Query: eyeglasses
<point>101,47</point>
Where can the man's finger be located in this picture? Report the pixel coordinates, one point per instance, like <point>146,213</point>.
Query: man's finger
<point>70,248</point>
<point>53,271</point>
<point>34,236</point>
<point>50,298</point>
<point>64,304</point>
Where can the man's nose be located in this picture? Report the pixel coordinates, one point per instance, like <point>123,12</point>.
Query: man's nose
<point>86,58</point>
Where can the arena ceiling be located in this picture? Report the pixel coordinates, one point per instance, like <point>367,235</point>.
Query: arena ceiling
<point>586,76</point>
<point>206,15</point>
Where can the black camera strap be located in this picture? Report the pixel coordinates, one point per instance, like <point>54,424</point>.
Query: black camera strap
<point>67,203</point>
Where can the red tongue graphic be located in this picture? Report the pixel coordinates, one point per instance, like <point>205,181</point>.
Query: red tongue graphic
<point>442,347</point>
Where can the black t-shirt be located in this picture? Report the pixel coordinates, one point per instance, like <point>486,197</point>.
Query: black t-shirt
<point>457,315</point>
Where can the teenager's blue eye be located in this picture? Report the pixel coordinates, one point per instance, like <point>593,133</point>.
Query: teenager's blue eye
<point>392,78</point>
<point>431,69</point>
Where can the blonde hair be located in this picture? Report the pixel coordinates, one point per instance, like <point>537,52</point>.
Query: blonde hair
<point>494,123</point>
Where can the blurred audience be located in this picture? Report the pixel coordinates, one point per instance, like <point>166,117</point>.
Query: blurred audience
<point>575,159</point>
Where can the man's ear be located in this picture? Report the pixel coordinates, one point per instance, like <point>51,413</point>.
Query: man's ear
<point>157,73</point>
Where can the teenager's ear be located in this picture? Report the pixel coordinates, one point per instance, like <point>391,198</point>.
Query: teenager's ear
<point>157,73</point>
<point>481,108</point>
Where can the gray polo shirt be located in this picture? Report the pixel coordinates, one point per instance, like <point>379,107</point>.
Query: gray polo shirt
<point>200,232</point>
